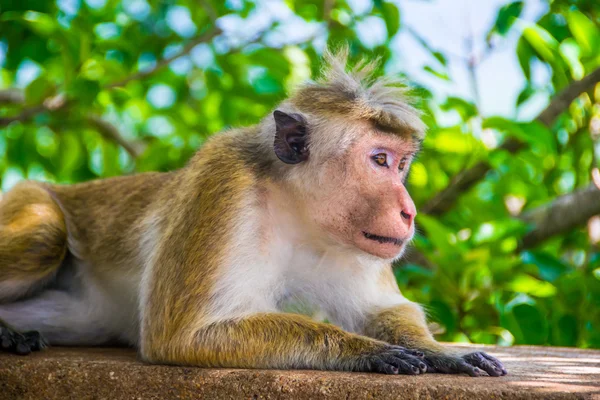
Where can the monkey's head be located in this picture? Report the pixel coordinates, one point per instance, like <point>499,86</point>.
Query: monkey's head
<point>345,145</point>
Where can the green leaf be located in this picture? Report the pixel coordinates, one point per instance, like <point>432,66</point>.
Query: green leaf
<point>566,331</point>
<point>453,141</point>
<point>525,94</point>
<point>524,283</point>
<point>391,15</point>
<point>440,57</point>
<point>506,17</point>
<point>465,108</point>
<point>441,75</point>
<point>495,231</point>
<point>38,90</point>
<point>570,52</point>
<point>84,89</point>
<point>41,23</point>
<point>533,132</point>
<point>549,267</point>
<point>92,70</point>
<point>443,312</point>
<point>546,48</point>
<point>542,42</point>
<point>585,32</point>
<point>524,54</point>
<point>524,318</point>
<point>443,239</point>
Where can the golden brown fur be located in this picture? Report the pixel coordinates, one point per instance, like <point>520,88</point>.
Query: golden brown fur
<point>32,239</point>
<point>193,267</point>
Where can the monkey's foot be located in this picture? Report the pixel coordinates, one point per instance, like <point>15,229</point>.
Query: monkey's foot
<point>20,343</point>
<point>473,364</point>
<point>391,359</point>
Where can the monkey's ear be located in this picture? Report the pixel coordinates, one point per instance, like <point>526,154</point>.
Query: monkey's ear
<point>291,137</point>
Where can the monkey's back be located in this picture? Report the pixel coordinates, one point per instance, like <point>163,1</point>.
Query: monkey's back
<point>102,216</point>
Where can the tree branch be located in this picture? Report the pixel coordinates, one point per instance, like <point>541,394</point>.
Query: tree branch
<point>205,37</point>
<point>23,115</point>
<point>445,200</point>
<point>209,10</point>
<point>12,96</point>
<point>561,215</point>
<point>564,99</point>
<point>557,216</point>
<point>58,102</point>
<point>50,104</point>
<point>110,132</point>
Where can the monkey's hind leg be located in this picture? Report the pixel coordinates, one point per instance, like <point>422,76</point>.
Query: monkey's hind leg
<point>20,343</point>
<point>33,240</point>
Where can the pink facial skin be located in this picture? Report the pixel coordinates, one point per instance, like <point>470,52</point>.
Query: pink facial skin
<point>366,205</point>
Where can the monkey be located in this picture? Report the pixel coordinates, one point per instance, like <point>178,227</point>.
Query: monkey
<point>198,266</point>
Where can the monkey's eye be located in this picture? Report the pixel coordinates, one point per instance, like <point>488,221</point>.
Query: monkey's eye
<point>380,159</point>
<point>402,164</point>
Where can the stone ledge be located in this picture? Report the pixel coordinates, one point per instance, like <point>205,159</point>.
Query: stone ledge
<point>106,373</point>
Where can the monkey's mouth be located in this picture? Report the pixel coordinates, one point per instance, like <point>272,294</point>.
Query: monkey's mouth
<point>383,239</point>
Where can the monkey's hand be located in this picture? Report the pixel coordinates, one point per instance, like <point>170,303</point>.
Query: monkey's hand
<point>473,364</point>
<point>390,359</point>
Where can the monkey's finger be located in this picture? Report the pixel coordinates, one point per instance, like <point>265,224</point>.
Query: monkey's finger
<point>6,338</point>
<point>22,349</point>
<point>415,361</point>
<point>406,366</point>
<point>496,362</point>
<point>412,352</point>
<point>416,353</point>
<point>380,365</point>
<point>6,343</point>
<point>35,340</point>
<point>411,359</point>
<point>477,360</point>
<point>445,364</point>
<point>431,369</point>
<point>469,369</point>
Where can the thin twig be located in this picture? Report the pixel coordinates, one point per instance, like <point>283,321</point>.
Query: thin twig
<point>12,96</point>
<point>327,7</point>
<point>58,102</point>
<point>445,200</point>
<point>110,132</point>
<point>210,10</point>
<point>23,115</point>
<point>205,37</point>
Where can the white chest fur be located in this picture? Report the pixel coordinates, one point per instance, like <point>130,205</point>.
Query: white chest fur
<point>264,272</point>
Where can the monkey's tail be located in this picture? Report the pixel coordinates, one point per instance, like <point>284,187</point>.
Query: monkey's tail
<point>33,240</point>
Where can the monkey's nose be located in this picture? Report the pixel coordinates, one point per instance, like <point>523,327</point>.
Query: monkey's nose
<point>408,217</point>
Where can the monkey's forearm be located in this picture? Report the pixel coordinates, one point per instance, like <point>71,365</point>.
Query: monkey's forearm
<point>286,341</point>
<point>406,325</point>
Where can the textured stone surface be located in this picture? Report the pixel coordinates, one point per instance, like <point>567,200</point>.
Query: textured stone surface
<point>106,373</point>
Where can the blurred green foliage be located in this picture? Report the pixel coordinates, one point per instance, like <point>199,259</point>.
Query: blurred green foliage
<point>99,88</point>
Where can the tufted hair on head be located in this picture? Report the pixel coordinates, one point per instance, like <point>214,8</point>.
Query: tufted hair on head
<point>355,93</point>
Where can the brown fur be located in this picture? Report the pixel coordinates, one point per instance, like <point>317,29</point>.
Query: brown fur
<point>359,97</point>
<point>171,233</point>
<point>32,234</point>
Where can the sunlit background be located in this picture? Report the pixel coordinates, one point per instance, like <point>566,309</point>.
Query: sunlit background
<point>507,183</point>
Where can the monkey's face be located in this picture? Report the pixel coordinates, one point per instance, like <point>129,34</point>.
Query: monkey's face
<point>361,199</point>
<point>350,181</point>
